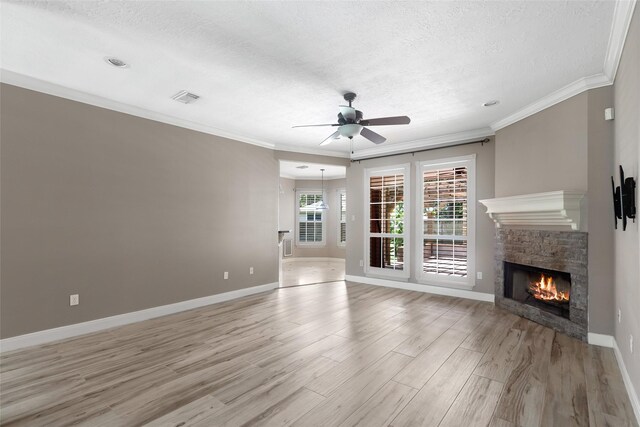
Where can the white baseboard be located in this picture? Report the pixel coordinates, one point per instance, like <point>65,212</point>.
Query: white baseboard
<point>312,259</point>
<point>631,391</point>
<point>438,290</point>
<point>600,340</point>
<point>49,335</point>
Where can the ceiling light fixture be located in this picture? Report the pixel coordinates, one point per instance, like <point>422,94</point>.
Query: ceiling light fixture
<point>119,63</point>
<point>491,103</point>
<point>321,204</point>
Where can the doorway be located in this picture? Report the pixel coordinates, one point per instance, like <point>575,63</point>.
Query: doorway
<point>312,208</point>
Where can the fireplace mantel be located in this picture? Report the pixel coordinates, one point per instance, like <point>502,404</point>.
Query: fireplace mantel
<point>554,208</point>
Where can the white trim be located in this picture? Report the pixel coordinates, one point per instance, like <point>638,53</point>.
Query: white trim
<point>312,259</point>
<point>564,93</point>
<point>622,15</point>
<point>431,142</point>
<point>405,273</point>
<point>469,161</point>
<point>600,340</point>
<point>626,378</point>
<point>557,208</point>
<point>26,82</point>
<point>438,290</point>
<point>310,150</point>
<point>49,335</point>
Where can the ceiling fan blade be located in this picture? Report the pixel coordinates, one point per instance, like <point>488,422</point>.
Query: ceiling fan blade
<point>309,126</point>
<point>372,136</point>
<point>331,137</point>
<point>347,112</point>
<point>385,121</point>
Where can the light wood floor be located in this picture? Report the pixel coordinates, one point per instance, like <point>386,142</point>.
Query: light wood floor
<point>327,355</point>
<point>297,271</point>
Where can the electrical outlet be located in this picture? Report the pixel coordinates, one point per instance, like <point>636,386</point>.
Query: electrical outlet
<point>479,275</point>
<point>74,299</point>
<point>631,343</point>
<point>250,270</point>
<point>619,315</point>
<point>361,263</point>
<point>353,217</point>
<point>226,275</point>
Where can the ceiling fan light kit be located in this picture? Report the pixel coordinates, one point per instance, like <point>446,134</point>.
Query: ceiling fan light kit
<point>351,123</point>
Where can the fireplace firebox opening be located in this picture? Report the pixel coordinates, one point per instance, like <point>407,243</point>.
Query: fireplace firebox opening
<point>548,290</point>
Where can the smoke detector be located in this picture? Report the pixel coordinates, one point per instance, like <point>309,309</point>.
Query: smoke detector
<point>185,97</point>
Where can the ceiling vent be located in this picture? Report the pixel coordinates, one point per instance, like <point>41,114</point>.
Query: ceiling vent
<point>185,97</point>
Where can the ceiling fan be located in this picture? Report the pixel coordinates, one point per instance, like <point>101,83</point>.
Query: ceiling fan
<point>350,123</point>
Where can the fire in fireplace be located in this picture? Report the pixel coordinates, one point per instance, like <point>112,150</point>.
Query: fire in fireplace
<point>545,289</point>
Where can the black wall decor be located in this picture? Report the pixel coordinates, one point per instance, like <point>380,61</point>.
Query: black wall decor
<point>617,206</point>
<point>624,200</point>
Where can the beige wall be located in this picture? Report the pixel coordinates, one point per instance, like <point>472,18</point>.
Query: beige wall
<point>627,243</point>
<point>485,239</point>
<point>568,147</point>
<point>544,152</point>
<point>288,216</point>
<point>126,212</point>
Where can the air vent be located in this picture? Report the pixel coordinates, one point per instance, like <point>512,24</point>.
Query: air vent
<point>302,167</point>
<point>185,97</point>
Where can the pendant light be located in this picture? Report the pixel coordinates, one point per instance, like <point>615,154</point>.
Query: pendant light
<point>322,205</point>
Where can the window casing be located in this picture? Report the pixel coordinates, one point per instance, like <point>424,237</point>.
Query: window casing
<point>342,217</point>
<point>446,212</point>
<point>387,230</point>
<point>310,221</point>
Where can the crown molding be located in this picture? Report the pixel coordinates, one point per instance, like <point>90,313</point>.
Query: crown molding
<point>572,89</point>
<point>305,150</point>
<point>31,83</point>
<point>419,144</point>
<point>622,15</point>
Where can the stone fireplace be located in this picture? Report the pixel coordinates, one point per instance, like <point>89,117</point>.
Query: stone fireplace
<point>561,255</point>
<point>541,272</point>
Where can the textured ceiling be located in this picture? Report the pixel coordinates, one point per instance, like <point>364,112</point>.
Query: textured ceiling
<point>261,67</point>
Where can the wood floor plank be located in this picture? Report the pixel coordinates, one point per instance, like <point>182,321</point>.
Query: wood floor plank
<point>430,404</point>
<point>427,334</point>
<point>498,422</point>
<point>523,397</point>
<point>566,393</point>
<point>264,398</point>
<point>417,373</point>
<point>190,413</point>
<point>608,400</point>
<point>475,404</point>
<point>383,406</point>
<point>288,411</point>
<point>500,358</point>
<point>354,393</point>
<point>350,367</point>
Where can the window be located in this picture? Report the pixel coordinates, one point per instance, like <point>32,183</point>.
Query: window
<point>387,229</point>
<point>342,218</point>
<point>310,219</point>
<point>446,209</point>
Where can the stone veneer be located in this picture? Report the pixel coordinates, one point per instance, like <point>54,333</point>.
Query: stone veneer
<point>553,250</point>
